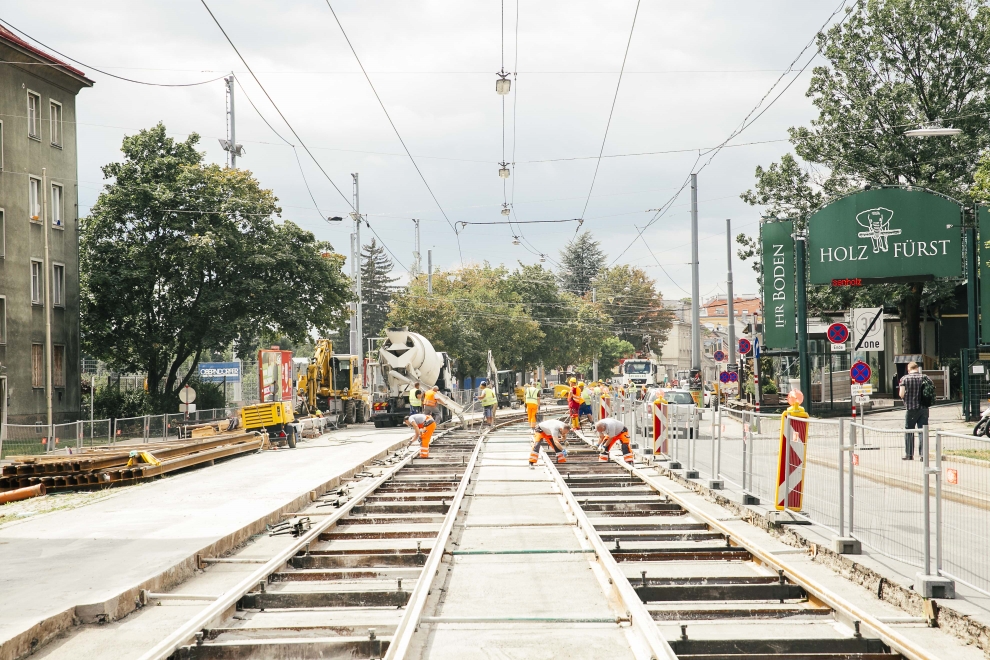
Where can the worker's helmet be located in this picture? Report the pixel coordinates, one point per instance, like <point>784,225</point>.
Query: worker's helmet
<point>581,384</point>
<point>572,380</point>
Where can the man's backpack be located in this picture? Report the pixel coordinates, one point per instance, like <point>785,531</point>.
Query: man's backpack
<point>927,396</point>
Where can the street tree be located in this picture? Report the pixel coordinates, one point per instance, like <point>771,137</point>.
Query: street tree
<point>179,257</point>
<point>581,261</point>
<point>891,65</point>
<point>377,287</point>
<point>636,307</point>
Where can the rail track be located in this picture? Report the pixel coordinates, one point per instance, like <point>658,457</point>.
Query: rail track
<point>372,571</point>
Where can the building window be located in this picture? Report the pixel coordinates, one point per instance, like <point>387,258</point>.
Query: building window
<point>34,199</point>
<point>58,366</point>
<point>3,320</point>
<point>34,112</point>
<point>56,122</point>
<point>57,206</point>
<point>3,235</point>
<point>58,285</point>
<point>36,282</point>
<point>37,365</point>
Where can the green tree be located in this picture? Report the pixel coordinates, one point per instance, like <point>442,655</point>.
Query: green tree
<point>581,261</point>
<point>377,287</point>
<point>612,350</point>
<point>891,65</point>
<point>638,314</point>
<point>179,257</point>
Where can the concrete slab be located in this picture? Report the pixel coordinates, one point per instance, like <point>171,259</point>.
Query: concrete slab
<point>519,538</point>
<point>147,536</point>
<point>509,510</point>
<point>530,641</point>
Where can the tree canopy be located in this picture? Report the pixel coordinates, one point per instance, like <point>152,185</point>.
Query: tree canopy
<point>376,288</point>
<point>581,261</point>
<point>178,257</point>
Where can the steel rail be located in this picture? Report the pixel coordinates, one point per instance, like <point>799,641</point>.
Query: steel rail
<point>640,618</point>
<point>402,638</point>
<point>229,598</point>
<point>889,636</point>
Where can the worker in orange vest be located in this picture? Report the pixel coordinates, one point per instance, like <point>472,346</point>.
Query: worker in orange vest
<point>554,433</point>
<point>423,427</point>
<point>610,431</point>
<point>430,401</point>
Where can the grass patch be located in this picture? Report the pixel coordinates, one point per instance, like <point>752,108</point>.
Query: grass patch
<point>976,454</point>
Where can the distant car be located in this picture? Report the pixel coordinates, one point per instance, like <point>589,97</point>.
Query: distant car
<point>680,407</point>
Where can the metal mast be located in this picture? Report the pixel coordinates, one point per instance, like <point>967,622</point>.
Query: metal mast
<point>695,285</point>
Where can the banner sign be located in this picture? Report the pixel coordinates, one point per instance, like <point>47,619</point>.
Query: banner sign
<point>215,372</point>
<point>887,234</point>
<point>983,256</point>
<point>275,375</point>
<point>779,325</point>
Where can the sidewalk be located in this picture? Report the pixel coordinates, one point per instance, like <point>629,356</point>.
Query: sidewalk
<point>87,564</point>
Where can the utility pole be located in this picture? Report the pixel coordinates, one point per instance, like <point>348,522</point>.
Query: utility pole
<point>695,284</point>
<point>594,362</point>
<point>728,282</point>
<point>416,265</point>
<point>230,144</point>
<point>357,346</point>
<point>429,272</point>
<point>47,279</point>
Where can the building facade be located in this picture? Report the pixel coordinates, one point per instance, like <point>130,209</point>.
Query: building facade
<point>38,193</point>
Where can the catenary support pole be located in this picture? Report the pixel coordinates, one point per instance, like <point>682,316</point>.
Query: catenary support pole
<point>804,364</point>
<point>429,272</point>
<point>46,280</point>
<point>417,264</point>
<point>594,361</point>
<point>233,131</point>
<point>728,285</point>
<point>359,325</point>
<point>695,284</point>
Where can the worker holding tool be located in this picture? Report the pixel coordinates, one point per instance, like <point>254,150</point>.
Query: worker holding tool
<point>486,395</point>
<point>430,402</point>
<point>574,403</point>
<point>415,400</point>
<point>423,427</point>
<point>586,397</point>
<point>532,398</point>
<point>610,431</point>
<point>554,433</point>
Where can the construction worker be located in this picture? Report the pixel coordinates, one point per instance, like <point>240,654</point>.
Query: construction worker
<point>486,395</point>
<point>554,433</point>
<point>423,427</point>
<point>415,400</point>
<point>430,402</point>
<point>532,398</point>
<point>611,430</point>
<point>574,403</point>
<point>586,398</point>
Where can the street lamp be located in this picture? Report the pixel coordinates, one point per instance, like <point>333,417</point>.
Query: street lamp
<point>502,84</point>
<point>515,240</point>
<point>335,218</point>
<point>505,209</point>
<point>504,170</point>
<point>932,131</point>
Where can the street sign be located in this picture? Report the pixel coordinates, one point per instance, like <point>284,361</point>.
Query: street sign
<point>756,347</point>
<point>860,372</point>
<point>744,346</point>
<point>733,376</point>
<point>187,394</point>
<point>838,333</point>
<point>719,356</point>
<point>868,329</point>
<point>218,372</point>
<point>724,376</point>
<point>187,407</point>
<point>838,348</point>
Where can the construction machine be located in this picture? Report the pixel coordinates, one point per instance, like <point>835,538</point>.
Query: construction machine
<point>332,383</point>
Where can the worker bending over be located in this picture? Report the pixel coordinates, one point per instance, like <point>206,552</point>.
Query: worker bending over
<point>611,430</point>
<point>554,433</point>
<point>423,427</point>
<point>532,398</point>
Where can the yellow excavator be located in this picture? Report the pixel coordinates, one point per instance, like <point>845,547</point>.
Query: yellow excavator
<point>333,384</point>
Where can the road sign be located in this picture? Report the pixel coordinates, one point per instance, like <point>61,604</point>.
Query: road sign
<point>187,394</point>
<point>733,376</point>
<point>187,407</point>
<point>744,346</point>
<point>868,329</point>
<point>838,333</point>
<point>756,347</point>
<point>724,376</point>
<point>719,356</point>
<point>860,372</point>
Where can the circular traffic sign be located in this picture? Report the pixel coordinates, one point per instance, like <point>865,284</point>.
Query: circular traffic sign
<point>719,356</point>
<point>724,376</point>
<point>860,372</point>
<point>838,333</point>
<point>187,394</point>
<point>744,346</point>
<point>733,376</point>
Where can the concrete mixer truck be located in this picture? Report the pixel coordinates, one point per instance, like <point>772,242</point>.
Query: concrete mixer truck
<point>404,359</point>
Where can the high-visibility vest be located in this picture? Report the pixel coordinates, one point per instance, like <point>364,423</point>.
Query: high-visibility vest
<point>430,398</point>
<point>488,397</point>
<point>532,395</point>
<point>586,395</point>
<point>413,399</point>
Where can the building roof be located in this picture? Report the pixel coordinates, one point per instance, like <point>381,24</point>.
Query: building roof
<point>12,39</point>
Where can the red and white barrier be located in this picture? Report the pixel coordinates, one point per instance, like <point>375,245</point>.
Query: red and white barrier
<point>790,466</point>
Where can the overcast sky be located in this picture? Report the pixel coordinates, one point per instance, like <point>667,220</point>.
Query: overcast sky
<point>694,71</point>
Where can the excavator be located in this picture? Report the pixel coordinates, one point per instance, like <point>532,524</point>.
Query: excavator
<point>332,384</point>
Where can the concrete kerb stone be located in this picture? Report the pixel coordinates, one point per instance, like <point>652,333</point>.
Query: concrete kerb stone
<point>127,601</point>
<point>948,614</point>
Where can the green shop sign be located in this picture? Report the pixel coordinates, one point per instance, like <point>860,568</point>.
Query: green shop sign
<point>983,259</point>
<point>886,235</point>
<point>778,284</point>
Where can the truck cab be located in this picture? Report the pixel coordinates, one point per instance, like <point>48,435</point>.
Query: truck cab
<point>638,371</point>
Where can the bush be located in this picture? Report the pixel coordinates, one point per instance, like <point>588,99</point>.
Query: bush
<point>770,388</point>
<point>113,402</point>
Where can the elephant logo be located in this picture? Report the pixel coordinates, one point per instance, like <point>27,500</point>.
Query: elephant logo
<point>877,224</point>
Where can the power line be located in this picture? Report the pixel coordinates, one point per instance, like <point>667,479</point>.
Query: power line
<point>387,116</point>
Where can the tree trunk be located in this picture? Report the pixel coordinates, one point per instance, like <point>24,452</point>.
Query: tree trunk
<point>910,311</point>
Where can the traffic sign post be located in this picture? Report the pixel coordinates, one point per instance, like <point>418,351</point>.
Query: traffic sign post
<point>187,395</point>
<point>724,376</point>
<point>860,372</point>
<point>744,347</point>
<point>838,333</point>
<point>719,356</point>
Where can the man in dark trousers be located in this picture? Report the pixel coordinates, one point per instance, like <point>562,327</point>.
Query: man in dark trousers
<point>916,407</point>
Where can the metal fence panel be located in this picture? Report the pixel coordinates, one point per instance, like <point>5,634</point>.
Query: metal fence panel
<point>965,474</point>
<point>129,430</point>
<point>96,433</point>
<point>23,440</point>
<point>821,492</point>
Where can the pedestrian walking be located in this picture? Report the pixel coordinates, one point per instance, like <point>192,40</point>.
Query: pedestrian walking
<point>553,432</point>
<point>918,393</point>
<point>532,398</point>
<point>415,399</point>
<point>486,395</point>
<point>423,427</point>
<point>430,404</point>
<point>610,431</point>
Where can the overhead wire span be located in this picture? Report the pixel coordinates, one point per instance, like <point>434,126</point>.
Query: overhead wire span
<point>392,124</point>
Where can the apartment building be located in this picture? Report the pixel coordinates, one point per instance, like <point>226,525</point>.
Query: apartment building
<point>38,194</point>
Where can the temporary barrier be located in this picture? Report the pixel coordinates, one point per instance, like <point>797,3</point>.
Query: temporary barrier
<point>790,461</point>
<point>660,427</point>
